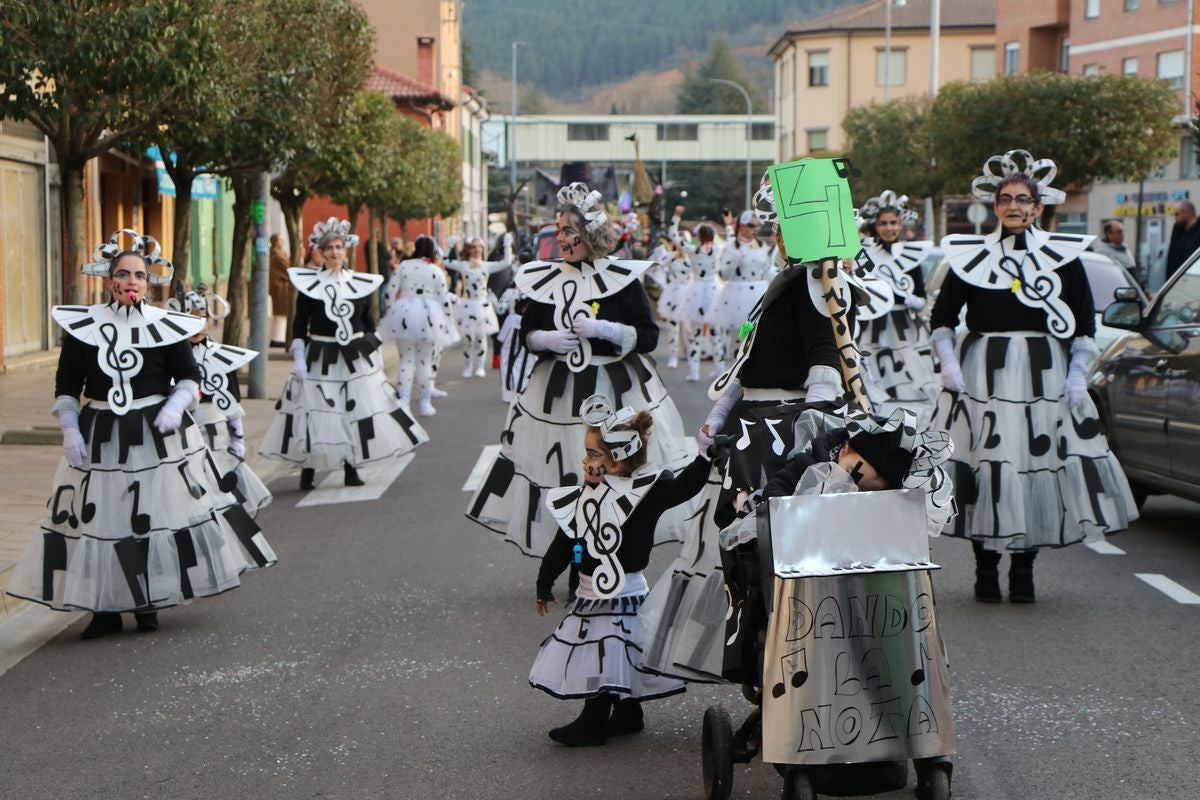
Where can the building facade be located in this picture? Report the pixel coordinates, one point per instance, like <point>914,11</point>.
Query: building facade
<point>828,65</point>
<point>1153,39</point>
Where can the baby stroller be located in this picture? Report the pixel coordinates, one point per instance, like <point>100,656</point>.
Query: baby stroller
<point>833,636</point>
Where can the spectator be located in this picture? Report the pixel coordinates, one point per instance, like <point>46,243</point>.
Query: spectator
<point>1112,244</point>
<point>1185,237</point>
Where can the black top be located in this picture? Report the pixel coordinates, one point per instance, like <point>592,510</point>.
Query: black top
<point>311,320</point>
<point>1184,242</point>
<point>637,534</point>
<point>792,336</point>
<point>918,280</point>
<point>629,306</point>
<point>999,311</point>
<point>783,482</point>
<point>79,370</point>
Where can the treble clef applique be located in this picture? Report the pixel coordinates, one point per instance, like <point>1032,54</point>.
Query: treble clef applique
<point>118,362</point>
<point>899,280</point>
<point>216,385</point>
<point>569,310</point>
<point>603,540</point>
<point>340,311</point>
<point>1038,288</point>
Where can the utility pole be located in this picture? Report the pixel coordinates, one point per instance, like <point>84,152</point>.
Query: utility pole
<point>935,13</point>
<point>259,284</point>
<point>512,126</point>
<point>749,130</point>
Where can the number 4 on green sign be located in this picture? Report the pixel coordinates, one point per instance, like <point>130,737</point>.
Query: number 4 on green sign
<point>814,210</point>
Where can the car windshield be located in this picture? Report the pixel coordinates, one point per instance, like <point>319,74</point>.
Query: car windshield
<point>1180,305</point>
<point>1105,277</point>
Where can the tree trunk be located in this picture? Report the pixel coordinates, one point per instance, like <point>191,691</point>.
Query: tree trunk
<point>293,223</point>
<point>181,254</point>
<point>243,197</point>
<point>72,179</point>
<point>352,209</point>
<point>373,258</point>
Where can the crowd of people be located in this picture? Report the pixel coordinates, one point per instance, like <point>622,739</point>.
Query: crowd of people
<point>153,504</point>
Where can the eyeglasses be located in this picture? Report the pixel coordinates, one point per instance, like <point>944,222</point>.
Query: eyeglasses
<point>1022,200</point>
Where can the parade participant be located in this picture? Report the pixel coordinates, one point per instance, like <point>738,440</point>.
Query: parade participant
<point>787,362</point>
<point>137,520</point>
<point>675,272</point>
<point>220,414</point>
<point>516,362</point>
<point>897,341</point>
<point>606,527</point>
<point>416,321</point>
<point>746,266</point>
<point>475,313</point>
<point>280,290</point>
<point>337,407</point>
<point>589,323</point>
<point>1032,463</point>
<point>698,305</point>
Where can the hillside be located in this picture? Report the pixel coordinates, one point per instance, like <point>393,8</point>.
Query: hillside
<point>578,49</point>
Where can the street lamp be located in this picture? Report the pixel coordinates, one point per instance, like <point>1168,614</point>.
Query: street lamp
<point>512,128</point>
<point>887,45</point>
<point>749,129</point>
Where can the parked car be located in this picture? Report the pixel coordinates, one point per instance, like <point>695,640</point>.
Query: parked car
<point>1147,385</point>
<point>541,246</point>
<point>1104,274</point>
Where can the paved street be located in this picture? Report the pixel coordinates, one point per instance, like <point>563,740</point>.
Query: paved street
<point>386,656</point>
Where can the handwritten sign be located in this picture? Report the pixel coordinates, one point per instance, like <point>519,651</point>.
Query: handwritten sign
<point>814,209</point>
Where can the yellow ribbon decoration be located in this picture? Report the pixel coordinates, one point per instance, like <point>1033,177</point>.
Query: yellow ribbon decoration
<point>596,306</point>
<point>1016,285</point>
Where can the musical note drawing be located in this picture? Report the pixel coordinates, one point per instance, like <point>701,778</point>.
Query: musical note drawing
<point>194,489</point>
<point>777,446</point>
<point>349,402</point>
<point>569,310</point>
<point>794,669</point>
<point>88,510</point>
<point>138,521</point>
<point>1086,427</point>
<point>744,440</point>
<point>565,478</point>
<point>918,676</point>
<point>603,540</point>
<point>702,514</point>
<point>118,363</point>
<point>506,435</point>
<point>1039,444</point>
<point>340,311</point>
<point>60,515</point>
<point>845,169</point>
<point>328,400</point>
<point>992,439</point>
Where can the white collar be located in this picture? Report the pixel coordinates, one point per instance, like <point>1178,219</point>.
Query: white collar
<point>543,281</point>
<point>142,325</point>
<point>217,361</point>
<point>350,285</point>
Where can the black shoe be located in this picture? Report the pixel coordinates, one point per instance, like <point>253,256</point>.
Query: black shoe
<point>351,475</point>
<point>590,728</point>
<point>307,476</point>
<point>147,621</point>
<point>1020,578</point>
<point>987,586</point>
<point>102,624</point>
<point>626,718</point>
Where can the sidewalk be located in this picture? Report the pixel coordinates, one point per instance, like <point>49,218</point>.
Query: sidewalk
<point>26,395</point>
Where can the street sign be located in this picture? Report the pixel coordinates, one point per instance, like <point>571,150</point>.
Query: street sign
<point>977,214</point>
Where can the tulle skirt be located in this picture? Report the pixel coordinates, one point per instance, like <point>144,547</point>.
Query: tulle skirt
<point>144,525</point>
<point>699,306</point>
<point>670,302</point>
<point>236,476</point>
<point>476,318</point>
<point>735,301</point>
<point>418,319</point>
<point>902,364</point>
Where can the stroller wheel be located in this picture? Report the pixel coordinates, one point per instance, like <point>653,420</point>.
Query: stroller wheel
<point>933,781</point>
<point>716,754</point>
<point>797,785</point>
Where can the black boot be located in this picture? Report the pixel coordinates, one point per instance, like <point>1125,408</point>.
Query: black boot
<point>147,621</point>
<point>352,478</point>
<point>987,574</point>
<point>307,476</point>
<point>102,624</point>
<point>590,728</point>
<point>1020,577</point>
<point>626,718</point>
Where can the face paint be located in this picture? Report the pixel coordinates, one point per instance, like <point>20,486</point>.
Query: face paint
<point>856,472</point>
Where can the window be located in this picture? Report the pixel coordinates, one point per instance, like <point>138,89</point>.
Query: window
<point>1012,58</point>
<point>1064,55</point>
<point>1091,69</point>
<point>762,131</point>
<point>897,74</point>
<point>818,139</point>
<point>1073,222</point>
<point>1181,305</point>
<point>818,68</point>
<point>1170,67</point>
<point>1132,5</point>
<point>983,63</point>
<point>1091,9</point>
<point>585,132</point>
<point>676,132</point>
<point>1129,66</point>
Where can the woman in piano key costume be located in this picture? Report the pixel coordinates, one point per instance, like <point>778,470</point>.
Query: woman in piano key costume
<point>590,325</point>
<point>220,413</point>
<point>337,408</point>
<point>897,341</point>
<point>1032,464</point>
<point>606,527</point>
<point>475,313</point>
<point>137,520</point>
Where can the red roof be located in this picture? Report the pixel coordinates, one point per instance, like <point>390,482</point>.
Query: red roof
<point>401,87</point>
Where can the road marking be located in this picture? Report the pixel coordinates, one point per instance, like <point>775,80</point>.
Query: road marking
<point>378,478</point>
<point>1105,549</point>
<point>29,628</point>
<point>486,458</point>
<point>1170,588</point>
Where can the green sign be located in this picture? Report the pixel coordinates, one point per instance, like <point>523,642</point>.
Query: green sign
<point>815,214</point>
<point>258,212</point>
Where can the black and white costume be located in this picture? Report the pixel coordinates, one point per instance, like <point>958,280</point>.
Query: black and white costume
<point>1032,464</point>
<point>747,268</point>
<point>698,303</point>
<point>337,407</point>
<point>418,323</point>
<point>142,522</point>
<point>516,362</point>
<point>474,313</point>
<point>675,273</point>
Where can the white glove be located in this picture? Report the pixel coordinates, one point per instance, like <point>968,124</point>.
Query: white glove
<point>74,448</point>
<point>952,378</point>
<point>604,329</point>
<point>914,302</point>
<point>237,439</point>
<point>170,416</point>
<point>1076,387</point>
<point>715,420</point>
<point>299,362</point>
<point>823,384</point>
<point>559,342</point>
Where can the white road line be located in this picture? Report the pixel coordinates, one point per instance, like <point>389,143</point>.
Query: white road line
<point>1105,549</point>
<point>28,629</point>
<point>378,478</point>
<point>1170,588</point>
<point>481,467</point>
